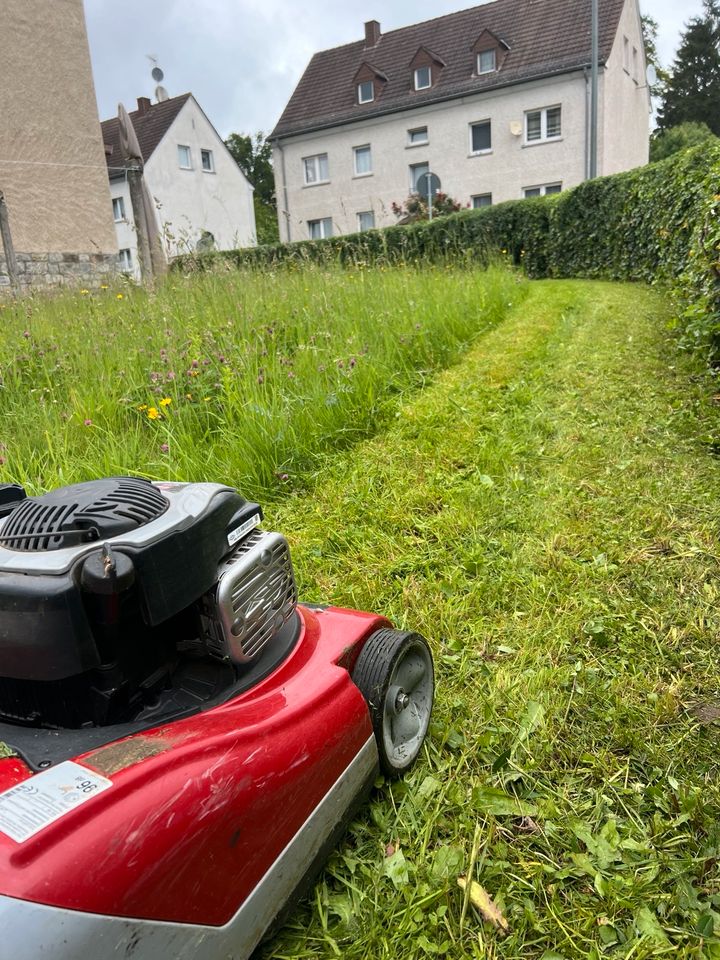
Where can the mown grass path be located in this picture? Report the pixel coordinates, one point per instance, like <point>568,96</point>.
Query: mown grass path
<point>547,514</point>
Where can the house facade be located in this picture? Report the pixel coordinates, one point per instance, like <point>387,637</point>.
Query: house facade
<point>202,198</point>
<point>494,100</point>
<point>52,166</point>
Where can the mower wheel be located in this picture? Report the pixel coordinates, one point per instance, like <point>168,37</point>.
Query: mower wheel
<point>395,674</point>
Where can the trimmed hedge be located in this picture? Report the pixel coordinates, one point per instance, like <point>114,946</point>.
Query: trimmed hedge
<point>659,223</point>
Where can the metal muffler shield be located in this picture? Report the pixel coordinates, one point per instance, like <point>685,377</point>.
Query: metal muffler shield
<point>256,594</point>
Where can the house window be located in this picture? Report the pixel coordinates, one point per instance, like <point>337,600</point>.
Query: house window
<point>480,139</point>
<point>363,160</point>
<point>486,61</point>
<point>635,73</point>
<point>416,171</point>
<point>316,168</point>
<point>366,220</point>
<point>545,124</point>
<point>320,229</point>
<point>417,136</point>
<point>206,158</point>
<point>544,190</point>
<point>118,209</point>
<point>481,200</point>
<point>366,91</point>
<point>423,78</point>
<point>126,263</point>
<point>184,158</point>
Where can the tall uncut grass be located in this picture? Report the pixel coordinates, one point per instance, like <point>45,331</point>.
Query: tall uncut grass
<point>242,377</point>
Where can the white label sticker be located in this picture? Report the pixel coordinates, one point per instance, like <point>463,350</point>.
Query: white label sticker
<point>28,807</point>
<point>239,532</point>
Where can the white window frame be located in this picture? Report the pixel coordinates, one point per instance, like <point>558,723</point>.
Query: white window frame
<point>314,162</point>
<point>120,201</point>
<point>543,188</point>
<point>188,165</point>
<point>203,153</point>
<point>413,177</point>
<point>493,68</point>
<point>365,83</point>
<point>417,143</point>
<point>543,138</point>
<point>325,231</point>
<point>365,213</point>
<point>480,196</point>
<point>485,150</point>
<point>125,260</point>
<point>361,149</point>
<point>425,86</point>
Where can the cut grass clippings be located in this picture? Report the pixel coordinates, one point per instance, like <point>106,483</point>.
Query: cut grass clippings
<point>547,515</point>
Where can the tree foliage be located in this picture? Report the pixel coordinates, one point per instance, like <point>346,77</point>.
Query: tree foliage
<point>416,207</point>
<point>664,143</point>
<point>253,154</point>
<point>692,92</point>
<point>650,34</point>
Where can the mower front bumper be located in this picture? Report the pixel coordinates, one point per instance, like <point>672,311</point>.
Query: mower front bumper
<point>35,931</point>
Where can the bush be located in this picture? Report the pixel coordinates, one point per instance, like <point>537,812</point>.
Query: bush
<point>658,223</point>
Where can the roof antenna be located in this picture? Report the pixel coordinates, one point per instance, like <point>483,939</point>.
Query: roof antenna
<point>158,76</point>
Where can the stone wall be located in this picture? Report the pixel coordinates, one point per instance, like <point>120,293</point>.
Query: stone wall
<point>55,269</point>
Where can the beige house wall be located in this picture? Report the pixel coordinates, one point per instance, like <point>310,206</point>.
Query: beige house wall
<point>52,163</point>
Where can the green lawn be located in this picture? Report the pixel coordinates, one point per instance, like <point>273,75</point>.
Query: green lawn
<point>250,377</point>
<point>545,511</point>
<point>547,514</point>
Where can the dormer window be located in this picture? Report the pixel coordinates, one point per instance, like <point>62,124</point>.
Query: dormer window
<point>366,91</point>
<point>423,78</point>
<point>486,61</point>
<point>490,52</point>
<point>369,83</point>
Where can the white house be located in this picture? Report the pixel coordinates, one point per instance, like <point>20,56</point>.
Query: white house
<point>495,100</point>
<point>202,197</point>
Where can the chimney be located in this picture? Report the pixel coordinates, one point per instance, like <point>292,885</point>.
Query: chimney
<point>372,33</point>
<point>143,105</point>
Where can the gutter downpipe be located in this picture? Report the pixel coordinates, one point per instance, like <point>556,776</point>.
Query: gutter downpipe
<point>594,93</point>
<point>286,211</point>
<point>586,74</point>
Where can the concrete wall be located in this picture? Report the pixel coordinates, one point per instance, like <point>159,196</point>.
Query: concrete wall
<point>626,104</point>
<point>505,172</point>
<point>52,162</point>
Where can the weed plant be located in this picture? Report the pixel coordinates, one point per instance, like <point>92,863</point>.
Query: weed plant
<point>245,378</point>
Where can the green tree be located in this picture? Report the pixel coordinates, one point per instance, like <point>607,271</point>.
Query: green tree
<point>253,154</point>
<point>650,34</point>
<point>664,143</point>
<point>416,207</point>
<point>693,89</point>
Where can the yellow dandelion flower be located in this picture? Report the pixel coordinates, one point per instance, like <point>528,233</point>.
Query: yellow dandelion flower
<point>84,292</point>
<point>103,286</point>
<point>206,399</point>
<point>166,401</point>
<point>143,406</point>
<point>188,396</point>
<point>153,413</point>
<point>118,296</point>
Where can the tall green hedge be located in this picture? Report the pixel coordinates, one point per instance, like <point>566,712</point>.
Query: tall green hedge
<point>659,223</point>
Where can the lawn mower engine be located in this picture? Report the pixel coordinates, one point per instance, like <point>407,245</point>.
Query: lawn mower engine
<point>181,743</point>
<point>123,600</point>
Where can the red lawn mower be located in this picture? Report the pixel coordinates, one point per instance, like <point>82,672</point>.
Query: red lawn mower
<point>186,743</point>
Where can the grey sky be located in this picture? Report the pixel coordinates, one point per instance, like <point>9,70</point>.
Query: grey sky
<point>242,58</point>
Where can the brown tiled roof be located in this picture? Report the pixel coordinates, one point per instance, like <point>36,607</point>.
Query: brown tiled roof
<point>150,128</point>
<point>545,37</point>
